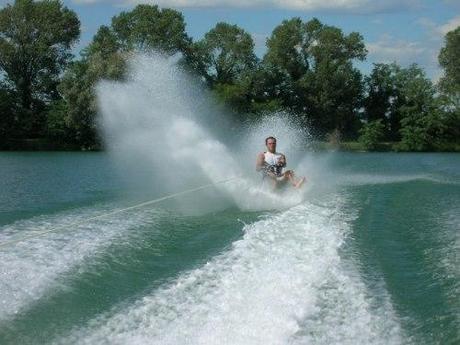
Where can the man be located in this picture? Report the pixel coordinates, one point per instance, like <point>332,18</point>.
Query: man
<point>271,163</point>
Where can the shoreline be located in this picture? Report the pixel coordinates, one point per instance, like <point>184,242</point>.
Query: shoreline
<point>42,145</point>
<point>39,145</point>
<point>356,146</point>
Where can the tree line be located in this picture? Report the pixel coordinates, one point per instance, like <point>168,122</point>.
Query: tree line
<point>308,70</point>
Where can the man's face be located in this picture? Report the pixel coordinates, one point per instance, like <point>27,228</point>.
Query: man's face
<point>271,145</point>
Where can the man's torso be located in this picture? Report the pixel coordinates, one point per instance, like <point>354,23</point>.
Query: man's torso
<point>272,160</point>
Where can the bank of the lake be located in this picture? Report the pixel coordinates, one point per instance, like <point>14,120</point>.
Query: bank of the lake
<point>351,146</point>
<point>42,144</point>
<point>394,146</point>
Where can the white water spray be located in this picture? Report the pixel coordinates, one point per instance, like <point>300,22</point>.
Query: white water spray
<point>155,122</point>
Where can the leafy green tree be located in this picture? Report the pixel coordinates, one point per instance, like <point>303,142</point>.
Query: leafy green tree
<point>449,58</point>
<point>287,60</point>
<point>371,134</point>
<point>9,123</point>
<point>333,95</point>
<point>143,29</point>
<point>407,103</point>
<point>147,27</point>
<point>57,128</point>
<point>224,56</point>
<point>287,47</point>
<point>422,119</point>
<point>423,132</point>
<point>104,44</point>
<point>264,89</point>
<point>105,57</point>
<point>383,99</point>
<point>225,60</point>
<point>73,118</point>
<point>317,79</point>
<point>381,90</point>
<point>35,42</point>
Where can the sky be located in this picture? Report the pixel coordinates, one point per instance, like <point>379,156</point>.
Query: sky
<point>404,31</point>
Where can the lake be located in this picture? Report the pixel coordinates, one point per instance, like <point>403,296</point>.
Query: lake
<point>369,255</point>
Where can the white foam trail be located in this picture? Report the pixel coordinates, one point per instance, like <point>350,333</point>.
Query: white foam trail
<point>451,259</point>
<point>284,282</point>
<point>33,268</point>
<point>447,253</point>
<point>322,175</point>
<point>367,179</point>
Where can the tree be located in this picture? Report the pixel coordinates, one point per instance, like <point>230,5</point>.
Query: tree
<point>73,118</point>
<point>317,79</point>
<point>449,58</point>
<point>224,55</point>
<point>407,103</point>
<point>9,124</point>
<point>380,91</point>
<point>371,134</point>
<point>147,28</point>
<point>423,131</point>
<point>383,98</point>
<point>35,42</point>
<point>422,120</point>
<point>144,28</point>
<point>287,48</point>
<point>264,89</point>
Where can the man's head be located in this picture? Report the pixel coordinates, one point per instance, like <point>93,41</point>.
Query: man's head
<point>270,142</point>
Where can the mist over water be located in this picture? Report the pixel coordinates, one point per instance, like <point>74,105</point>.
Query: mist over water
<point>160,124</point>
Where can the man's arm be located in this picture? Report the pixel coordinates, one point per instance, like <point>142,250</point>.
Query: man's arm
<point>260,162</point>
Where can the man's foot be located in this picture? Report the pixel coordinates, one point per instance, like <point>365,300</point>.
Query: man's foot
<point>299,183</point>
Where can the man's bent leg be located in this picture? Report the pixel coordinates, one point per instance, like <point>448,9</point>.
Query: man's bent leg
<point>294,181</point>
<point>290,176</point>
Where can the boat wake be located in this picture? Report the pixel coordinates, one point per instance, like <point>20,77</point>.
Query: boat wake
<point>39,266</point>
<point>283,282</point>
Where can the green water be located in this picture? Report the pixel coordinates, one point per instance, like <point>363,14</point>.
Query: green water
<point>372,255</point>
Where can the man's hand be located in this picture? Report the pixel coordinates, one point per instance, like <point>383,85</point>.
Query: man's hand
<point>281,162</point>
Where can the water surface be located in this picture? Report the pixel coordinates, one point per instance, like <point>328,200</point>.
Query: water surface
<point>371,256</point>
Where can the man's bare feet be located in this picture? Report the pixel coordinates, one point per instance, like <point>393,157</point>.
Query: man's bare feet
<point>299,183</point>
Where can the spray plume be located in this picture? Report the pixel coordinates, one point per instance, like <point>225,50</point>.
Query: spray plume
<point>166,134</point>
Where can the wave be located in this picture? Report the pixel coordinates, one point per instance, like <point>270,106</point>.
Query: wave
<point>353,179</point>
<point>444,254</point>
<point>408,178</point>
<point>283,282</point>
<point>34,268</point>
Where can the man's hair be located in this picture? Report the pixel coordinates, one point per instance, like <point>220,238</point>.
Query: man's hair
<point>267,139</point>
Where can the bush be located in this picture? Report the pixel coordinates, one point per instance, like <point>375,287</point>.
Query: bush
<point>371,134</point>
<point>423,132</point>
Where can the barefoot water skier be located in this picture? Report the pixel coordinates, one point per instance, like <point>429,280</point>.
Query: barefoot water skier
<point>271,164</point>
